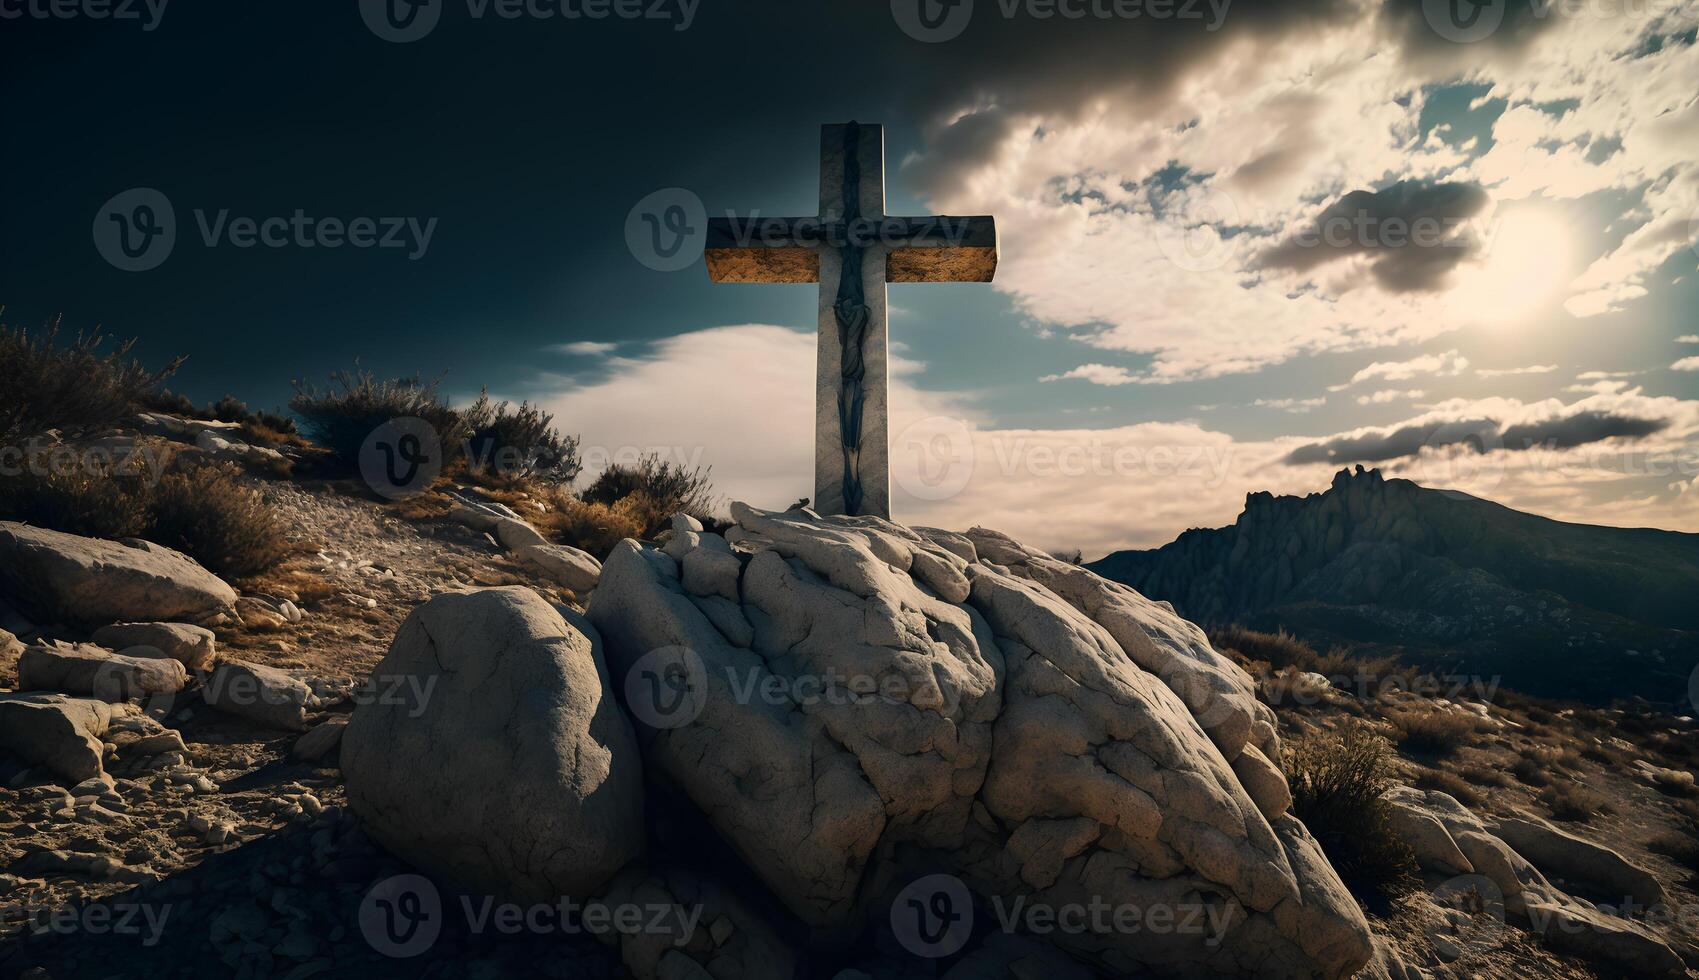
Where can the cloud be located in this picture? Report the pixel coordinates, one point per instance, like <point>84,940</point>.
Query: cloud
<point>1507,372</point>
<point>741,399</point>
<point>1692,338</point>
<point>1097,374</point>
<point>1686,364</point>
<point>1296,406</point>
<point>584,348</point>
<point>1389,395</point>
<point>1448,364</point>
<point>1150,185</point>
<point>1567,428</point>
<point>1413,232</point>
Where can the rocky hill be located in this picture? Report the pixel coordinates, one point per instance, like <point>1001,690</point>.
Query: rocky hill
<point>437,740</point>
<point>1450,580</point>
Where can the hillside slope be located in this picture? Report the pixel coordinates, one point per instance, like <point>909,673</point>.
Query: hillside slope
<point>1555,608</point>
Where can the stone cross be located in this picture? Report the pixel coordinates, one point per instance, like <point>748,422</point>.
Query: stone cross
<point>852,249</point>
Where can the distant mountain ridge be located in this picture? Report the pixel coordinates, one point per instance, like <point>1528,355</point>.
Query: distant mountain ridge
<point>1556,608</point>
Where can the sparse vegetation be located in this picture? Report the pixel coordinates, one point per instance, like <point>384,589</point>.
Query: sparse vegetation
<point>1574,802</point>
<point>204,511</point>
<point>1435,732</point>
<point>1530,772</point>
<point>1450,784</point>
<point>518,444</point>
<point>653,490</point>
<point>1337,781</point>
<point>1274,653</point>
<point>341,415</point>
<point>73,388</point>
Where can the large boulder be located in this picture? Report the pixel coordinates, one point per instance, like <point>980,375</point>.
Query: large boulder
<point>192,646</point>
<point>60,734</point>
<point>865,701</point>
<point>84,669</point>
<point>64,577</point>
<point>501,762</point>
<point>260,694</point>
<point>577,570</point>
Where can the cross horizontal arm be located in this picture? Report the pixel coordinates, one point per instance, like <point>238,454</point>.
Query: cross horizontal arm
<point>943,248</point>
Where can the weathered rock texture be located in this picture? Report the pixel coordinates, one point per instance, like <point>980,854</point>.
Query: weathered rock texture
<point>856,692</point>
<point>1476,853</point>
<point>67,578</point>
<point>498,761</point>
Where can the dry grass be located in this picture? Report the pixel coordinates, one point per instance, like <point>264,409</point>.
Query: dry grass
<point>1451,785</point>
<point>653,490</point>
<point>204,511</point>
<point>1337,782</point>
<point>1434,732</point>
<point>1274,654</point>
<point>1487,776</point>
<point>1530,773</point>
<point>1574,802</point>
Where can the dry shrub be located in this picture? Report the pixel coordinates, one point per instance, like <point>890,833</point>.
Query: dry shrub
<point>1450,784</point>
<point>1530,772</point>
<point>662,489</point>
<point>1681,846</point>
<point>595,528</point>
<point>518,444</point>
<point>1282,651</point>
<point>1337,783</point>
<point>208,512</point>
<point>204,511</point>
<point>1574,802</point>
<point>1435,732</point>
<point>73,388</point>
<point>1485,776</point>
<point>341,415</point>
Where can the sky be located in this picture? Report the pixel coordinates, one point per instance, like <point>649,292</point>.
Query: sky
<point>1243,244</point>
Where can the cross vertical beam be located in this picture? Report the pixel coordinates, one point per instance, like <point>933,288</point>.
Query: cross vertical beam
<point>852,249</point>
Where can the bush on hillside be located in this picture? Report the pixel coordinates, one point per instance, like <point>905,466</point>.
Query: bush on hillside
<point>342,414</point>
<point>72,388</point>
<point>1434,732</point>
<point>1575,803</point>
<point>204,511</point>
<point>657,489</point>
<point>521,443</point>
<point>1337,782</point>
<point>1282,652</point>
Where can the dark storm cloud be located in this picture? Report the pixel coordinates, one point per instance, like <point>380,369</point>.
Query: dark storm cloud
<point>1005,69</point>
<point>1479,435</point>
<point>1443,34</point>
<point>1416,231</point>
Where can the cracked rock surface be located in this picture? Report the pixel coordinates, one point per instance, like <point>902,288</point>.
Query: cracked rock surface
<point>877,697</point>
